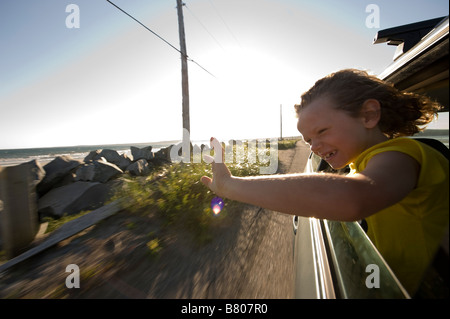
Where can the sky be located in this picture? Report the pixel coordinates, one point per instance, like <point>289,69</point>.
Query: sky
<point>108,80</point>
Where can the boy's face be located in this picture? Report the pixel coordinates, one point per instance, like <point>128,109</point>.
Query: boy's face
<point>332,134</point>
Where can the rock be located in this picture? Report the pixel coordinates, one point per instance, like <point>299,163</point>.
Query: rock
<point>111,156</point>
<point>92,156</point>
<point>122,161</point>
<point>85,173</point>
<point>37,172</point>
<point>142,153</point>
<point>55,171</point>
<point>139,168</point>
<point>98,171</point>
<point>163,155</point>
<point>72,199</point>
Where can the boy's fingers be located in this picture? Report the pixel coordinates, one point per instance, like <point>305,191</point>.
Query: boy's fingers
<point>219,155</point>
<point>208,159</point>
<point>206,180</point>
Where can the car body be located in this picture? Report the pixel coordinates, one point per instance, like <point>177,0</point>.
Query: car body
<point>337,259</point>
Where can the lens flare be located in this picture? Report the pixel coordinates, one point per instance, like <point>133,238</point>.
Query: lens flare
<point>217,205</point>
<point>216,209</point>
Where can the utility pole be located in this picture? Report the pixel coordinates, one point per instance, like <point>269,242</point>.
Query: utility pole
<point>281,121</point>
<point>184,73</point>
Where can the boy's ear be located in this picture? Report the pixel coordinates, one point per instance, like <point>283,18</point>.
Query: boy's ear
<point>371,113</point>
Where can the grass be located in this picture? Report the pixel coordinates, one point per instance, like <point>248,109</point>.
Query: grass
<point>287,144</point>
<point>55,223</point>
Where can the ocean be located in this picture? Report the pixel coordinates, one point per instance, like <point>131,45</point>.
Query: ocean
<point>441,135</point>
<point>11,157</point>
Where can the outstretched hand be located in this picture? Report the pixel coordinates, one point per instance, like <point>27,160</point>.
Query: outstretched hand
<point>221,173</point>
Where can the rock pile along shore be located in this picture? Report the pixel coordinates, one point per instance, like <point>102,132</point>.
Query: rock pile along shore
<point>66,186</point>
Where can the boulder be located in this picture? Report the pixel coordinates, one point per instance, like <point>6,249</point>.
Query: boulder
<point>163,155</point>
<point>92,156</point>
<point>142,153</point>
<point>139,168</point>
<point>72,199</point>
<point>37,172</point>
<point>121,160</point>
<point>97,171</point>
<point>56,171</point>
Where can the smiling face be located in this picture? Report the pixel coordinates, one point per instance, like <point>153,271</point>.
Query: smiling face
<point>334,135</point>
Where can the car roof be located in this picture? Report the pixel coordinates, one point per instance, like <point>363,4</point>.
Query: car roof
<point>421,60</point>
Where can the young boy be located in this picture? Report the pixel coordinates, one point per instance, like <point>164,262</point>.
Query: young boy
<point>399,185</point>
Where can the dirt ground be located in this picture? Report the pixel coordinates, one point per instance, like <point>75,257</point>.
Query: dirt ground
<point>132,256</point>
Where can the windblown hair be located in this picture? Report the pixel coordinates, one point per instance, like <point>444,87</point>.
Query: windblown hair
<point>402,113</point>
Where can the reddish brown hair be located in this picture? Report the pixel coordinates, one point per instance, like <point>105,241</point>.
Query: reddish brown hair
<point>402,113</point>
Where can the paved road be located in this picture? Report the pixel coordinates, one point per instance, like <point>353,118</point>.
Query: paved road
<point>264,250</point>
<point>257,261</point>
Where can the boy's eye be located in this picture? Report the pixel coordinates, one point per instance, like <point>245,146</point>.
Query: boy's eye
<point>319,132</point>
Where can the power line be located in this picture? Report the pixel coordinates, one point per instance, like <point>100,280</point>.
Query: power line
<point>145,26</point>
<point>204,27</point>
<point>226,25</point>
<point>161,38</point>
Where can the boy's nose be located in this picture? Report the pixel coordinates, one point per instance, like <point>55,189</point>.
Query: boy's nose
<point>315,147</point>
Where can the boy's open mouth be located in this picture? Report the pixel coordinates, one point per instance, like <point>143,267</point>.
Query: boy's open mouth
<point>328,156</point>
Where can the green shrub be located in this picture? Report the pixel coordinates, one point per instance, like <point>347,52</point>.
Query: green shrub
<point>179,197</point>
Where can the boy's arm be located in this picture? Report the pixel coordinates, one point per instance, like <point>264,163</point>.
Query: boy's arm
<point>388,178</point>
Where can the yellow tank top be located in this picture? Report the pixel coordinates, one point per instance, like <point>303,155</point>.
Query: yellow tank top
<point>408,233</point>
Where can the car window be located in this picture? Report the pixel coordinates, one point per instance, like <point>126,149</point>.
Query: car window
<point>359,269</point>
